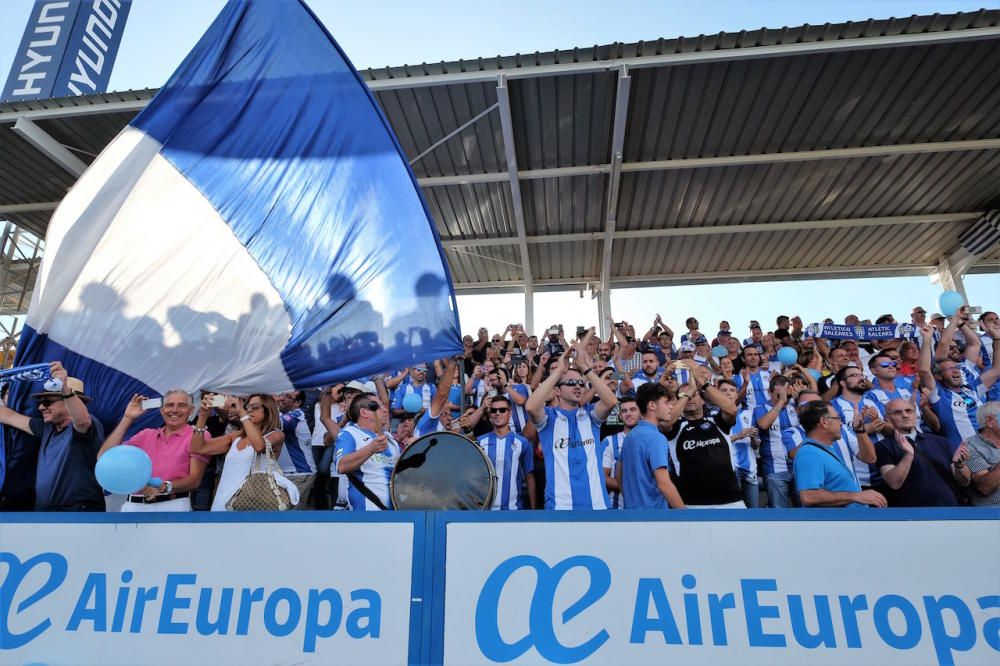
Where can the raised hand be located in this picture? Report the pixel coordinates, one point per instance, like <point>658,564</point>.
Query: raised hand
<point>133,409</point>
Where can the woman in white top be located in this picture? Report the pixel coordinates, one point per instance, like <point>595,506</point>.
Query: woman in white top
<point>259,419</point>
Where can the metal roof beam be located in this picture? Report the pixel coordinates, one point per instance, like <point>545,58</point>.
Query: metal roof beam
<point>13,209</point>
<point>725,161</point>
<point>760,227</point>
<point>619,121</point>
<point>51,148</point>
<point>507,128</point>
<point>673,59</point>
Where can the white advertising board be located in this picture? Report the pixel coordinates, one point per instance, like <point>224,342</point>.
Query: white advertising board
<point>761,592</point>
<point>205,593</point>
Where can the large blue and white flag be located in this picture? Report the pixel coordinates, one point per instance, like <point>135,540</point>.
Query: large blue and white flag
<point>255,228</point>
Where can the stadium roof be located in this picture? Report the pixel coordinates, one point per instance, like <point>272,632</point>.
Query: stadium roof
<point>854,149</point>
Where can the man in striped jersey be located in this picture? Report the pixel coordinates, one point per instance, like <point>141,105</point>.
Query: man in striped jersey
<point>855,419</point>
<point>365,455</point>
<point>511,456</point>
<point>569,434</point>
<point>650,371</point>
<point>743,441</point>
<point>771,420</point>
<point>437,418</point>
<point>629,414</point>
<point>752,380</point>
<point>296,455</point>
<point>955,402</point>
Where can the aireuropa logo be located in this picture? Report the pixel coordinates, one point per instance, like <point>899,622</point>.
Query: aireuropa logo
<point>542,634</point>
<point>174,605</point>
<point>773,618</point>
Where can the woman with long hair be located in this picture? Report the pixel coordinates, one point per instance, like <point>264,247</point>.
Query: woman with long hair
<point>259,420</point>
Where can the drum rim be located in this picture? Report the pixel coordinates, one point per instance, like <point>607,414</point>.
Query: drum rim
<point>475,445</point>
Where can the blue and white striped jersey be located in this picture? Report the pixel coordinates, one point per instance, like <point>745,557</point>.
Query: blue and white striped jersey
<point>758,392</point>
<point>426,392</point>
<point>511,456</point>
<point>518,416</point>
<point>957,412</point>
<point>640,378</point>
<point>427,424</point>
<point>849,439</point>
<point>742,449</point>
<point>374,472</point>
<point>296,454</point>
<point>612,457</point>
<point>773,454</point>
<point>571,446</point>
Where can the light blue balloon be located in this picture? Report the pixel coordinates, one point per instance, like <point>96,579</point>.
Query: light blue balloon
<point>788,356</point>
<point>124,469</point>
<point>412,403</point>
<point>719,351</point>
<point>949,302</point>
<point>816,374</point>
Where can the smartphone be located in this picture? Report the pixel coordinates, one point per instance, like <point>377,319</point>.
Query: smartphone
<point>218,400</point>
<point>582,331</point>
<point>619,324</point>
<point>151,403</point>
<point>974,309</point>
<point>553,331</point>
<point>516,359</point>
<point>619,377</point>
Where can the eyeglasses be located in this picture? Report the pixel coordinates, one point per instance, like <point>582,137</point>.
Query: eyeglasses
<point>573,382</point>
<point>832,416</point>
<point>254,406</point>
<point>498,410</point>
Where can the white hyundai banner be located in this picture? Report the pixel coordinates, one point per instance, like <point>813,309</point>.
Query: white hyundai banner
<point>732,592</point>
<point>205,593</point>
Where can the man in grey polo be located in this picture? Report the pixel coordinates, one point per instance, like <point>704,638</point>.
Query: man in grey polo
<point>984,456</point>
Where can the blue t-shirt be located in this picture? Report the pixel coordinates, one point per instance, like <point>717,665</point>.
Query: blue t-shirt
<point>643,452</point>
<point>819,467</point>
<point>66,460</point>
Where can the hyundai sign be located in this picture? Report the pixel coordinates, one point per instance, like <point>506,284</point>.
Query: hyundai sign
<point>68,48</point>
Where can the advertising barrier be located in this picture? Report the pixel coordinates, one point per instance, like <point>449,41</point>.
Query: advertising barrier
<point>684,587</point>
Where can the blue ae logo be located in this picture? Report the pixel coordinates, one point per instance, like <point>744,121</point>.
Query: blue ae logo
<point>16,572</point>
<point>542,632</point>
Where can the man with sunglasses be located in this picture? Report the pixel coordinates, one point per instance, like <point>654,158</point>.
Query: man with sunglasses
<point>887,385</point>
<point>955,401</point>
<point>511,456</point>
<point>416,382</point>
<point>66,451</point>
<point>366,454</point>
<point>823,477</point>
<point>570,433</point>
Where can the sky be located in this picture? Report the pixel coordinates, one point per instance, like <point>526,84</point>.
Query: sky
<point>159,33</point>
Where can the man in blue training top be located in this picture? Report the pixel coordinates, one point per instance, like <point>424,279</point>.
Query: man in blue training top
<point>823,478</point>
<point>645,470</point>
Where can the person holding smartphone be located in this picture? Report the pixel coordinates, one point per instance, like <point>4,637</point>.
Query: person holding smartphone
<point>169,447</point>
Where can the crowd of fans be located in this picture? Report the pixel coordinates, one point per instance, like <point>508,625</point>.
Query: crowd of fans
<point>642,419</point>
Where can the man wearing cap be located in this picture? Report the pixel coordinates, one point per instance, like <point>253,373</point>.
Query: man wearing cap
<point>169,447</point>
<point>702,350</point>
<point>68,446</point>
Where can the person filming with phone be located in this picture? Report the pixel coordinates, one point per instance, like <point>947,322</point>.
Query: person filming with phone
<point>169,447</point>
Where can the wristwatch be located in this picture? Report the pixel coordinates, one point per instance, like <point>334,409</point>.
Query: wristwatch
<point>682,395</point>
<point>170,487</point>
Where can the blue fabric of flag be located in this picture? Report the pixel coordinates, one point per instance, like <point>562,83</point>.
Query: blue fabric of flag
<point>269,119</point>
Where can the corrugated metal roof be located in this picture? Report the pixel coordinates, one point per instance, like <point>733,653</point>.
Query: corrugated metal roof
<point>742,103</point>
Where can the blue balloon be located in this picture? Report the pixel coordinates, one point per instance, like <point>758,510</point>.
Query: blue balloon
<point>412,403</point>
<point>788,356</point>
<point>949,302</point>
<point>816,374</point>
<point>124,469</point>
<point>719,351</point>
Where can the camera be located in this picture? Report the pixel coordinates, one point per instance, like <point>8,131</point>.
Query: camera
<point>581,331</point>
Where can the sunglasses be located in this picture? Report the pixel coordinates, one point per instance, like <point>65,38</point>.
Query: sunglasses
<point>255,406</point>
<point>45,402</point>
<point>372,406</point>
<point>573,382</point>
<point>887,364</point>
<point>498,410</point>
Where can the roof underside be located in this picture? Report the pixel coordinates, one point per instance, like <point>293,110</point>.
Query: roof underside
<point>859,149</point>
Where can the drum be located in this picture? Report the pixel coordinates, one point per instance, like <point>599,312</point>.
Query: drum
<point>443,470</point>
